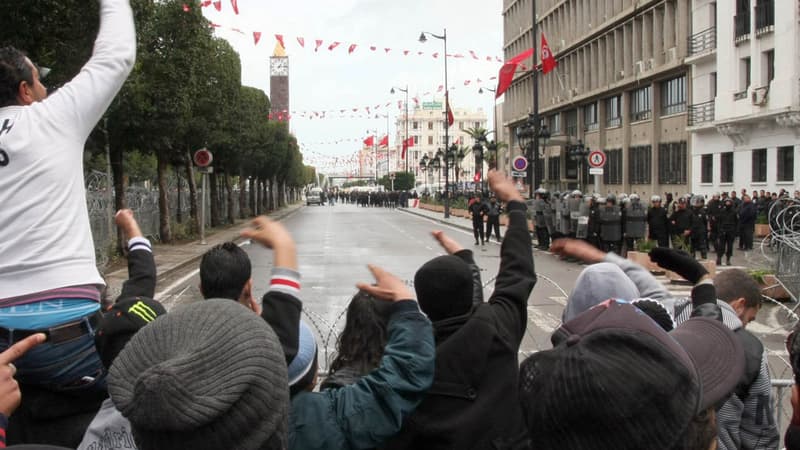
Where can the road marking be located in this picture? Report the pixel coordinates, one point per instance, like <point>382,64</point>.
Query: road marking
<point>543,320</point>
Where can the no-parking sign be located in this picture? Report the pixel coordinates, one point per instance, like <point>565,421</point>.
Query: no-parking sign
<point>520,164</point>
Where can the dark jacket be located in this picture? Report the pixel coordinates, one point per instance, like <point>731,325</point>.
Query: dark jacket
<point>681,221</point>
<point>366,413</point>
<point>657,222</point>
<point>477,210</point>
<point>699,222</point>
<point>748,214</point>
<point>474,402</point>
<point>727,220</point>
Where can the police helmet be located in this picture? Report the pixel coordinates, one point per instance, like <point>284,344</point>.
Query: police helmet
<point>634,198</point>
<point>611,198</point>
<point>697,200</point>
<point>601,200</point>
<point>626,201</point>
<point>655,198</point>
<point>576,193</point>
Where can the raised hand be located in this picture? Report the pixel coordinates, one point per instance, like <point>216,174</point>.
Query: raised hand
<point>503,187</point>
<point>127,223</point>
<point>679,262</point>
<point>448,244</point>
<point>576,248</point>
<point>386,287</point>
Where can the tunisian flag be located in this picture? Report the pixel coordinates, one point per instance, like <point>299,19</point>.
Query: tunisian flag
<point>369,142</point>
<point>450,118</point>
<point>406,144</point>
<point>506,75</point>
<point>548,61</point>
<point>384,141</point>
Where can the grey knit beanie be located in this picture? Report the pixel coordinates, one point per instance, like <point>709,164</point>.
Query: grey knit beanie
<point>208,375</point>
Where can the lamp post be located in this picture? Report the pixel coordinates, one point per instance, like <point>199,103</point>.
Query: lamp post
<point>443,37</point>
<point>528,136</point>
<point>436,164</point>
<point>405,142</point>
<point>375,152</point>
<point>579,153</point>
<point>477,150</point>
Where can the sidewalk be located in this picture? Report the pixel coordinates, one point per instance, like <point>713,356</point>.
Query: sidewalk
<point>751,260</point>
<point>172,258</point>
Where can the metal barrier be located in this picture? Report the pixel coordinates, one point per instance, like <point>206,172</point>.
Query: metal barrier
<point>783,388</point>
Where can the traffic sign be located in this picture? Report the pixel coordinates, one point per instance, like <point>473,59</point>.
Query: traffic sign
<point>203,157</point>
<point>518,174</point>
<point>597,158</point>
<point>391,176</point>
<point>520,163</point>
<point>595,171</point>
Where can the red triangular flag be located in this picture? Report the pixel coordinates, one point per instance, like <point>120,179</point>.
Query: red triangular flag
<point>352,47</point>
<point>548,61</point>
<point>218,5</point>
<point>333,45</point>
<point>319,44</point>
<point>405,52</point>
<point>206,3</point>
<point>373,48</point>
<point>505,78</point>
<point>235,7</point>
<point>278,37</point>
<point>387,50</point>
<point>384,141</point>
<point>185,7</point>
<point>474,56</point>
<point>436,55</point>
<point>439,89</point>
<point>369,142</point>
<point>256,37</point>
<point>467,82</point>
<point>450,118</point>
<point>302,42</point>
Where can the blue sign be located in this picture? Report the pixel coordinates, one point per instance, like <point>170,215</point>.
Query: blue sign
<point>520,163</point>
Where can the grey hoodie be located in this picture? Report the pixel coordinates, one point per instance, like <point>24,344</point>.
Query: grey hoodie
<point>597,283</point>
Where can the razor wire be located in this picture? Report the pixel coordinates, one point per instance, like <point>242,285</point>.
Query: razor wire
<point>784,239</point>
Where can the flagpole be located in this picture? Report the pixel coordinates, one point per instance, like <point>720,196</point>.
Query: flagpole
<point>405,142</point>
<point>446,132</point>
<point>535,157</point>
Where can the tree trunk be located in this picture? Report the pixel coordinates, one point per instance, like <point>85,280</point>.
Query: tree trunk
<point>272,205</point>
<point>229,190</point>
<point>179,206</point>
<point>265,207</point>
<point>242,196</point>
<point>252,196</point>
<point>163,201</point>
<point>193,211</point>
<point>214,199</point>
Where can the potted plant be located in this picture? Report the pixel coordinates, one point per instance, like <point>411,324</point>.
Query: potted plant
<point>769,285</point>
<point>762,225</point>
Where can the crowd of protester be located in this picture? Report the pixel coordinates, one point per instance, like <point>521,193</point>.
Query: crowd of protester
<point>631,366</point>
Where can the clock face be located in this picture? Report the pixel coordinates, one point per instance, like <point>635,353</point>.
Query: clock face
<point>279,66</point>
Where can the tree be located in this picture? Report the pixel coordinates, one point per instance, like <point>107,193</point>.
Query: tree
<point>404,181</point>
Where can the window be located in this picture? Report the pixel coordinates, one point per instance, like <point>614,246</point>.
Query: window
<point>640,104</point>
<point>786,163</point>
<point>415,125</point>
<point>613,169</point>
<point>726,167</point>
<point>554,168</point>
<point>614,111</point>
<point>672,163</point>
<point>461,125</point>
<point>430,140</point>
<point>707,169</point>
<point>572,123</point>
<point>639,164</point>
<point>741,20</point>
<point>416,139</point>
<point>673,96</point>
<point>430,125</point>
<point>590,117</point>
<point>571,168</point>
<point>765,16</point>
<point>759,166</point>
<point>744,79</point>
<point>769,66</point>
<point>538,169</point>
<point>555,124</point>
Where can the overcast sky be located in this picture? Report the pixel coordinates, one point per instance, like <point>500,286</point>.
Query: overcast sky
<point>328,80</point>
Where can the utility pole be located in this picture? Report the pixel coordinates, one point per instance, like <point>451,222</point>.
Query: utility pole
<point>536,120</point>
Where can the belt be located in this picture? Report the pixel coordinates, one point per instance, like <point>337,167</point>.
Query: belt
<point>60,333</point>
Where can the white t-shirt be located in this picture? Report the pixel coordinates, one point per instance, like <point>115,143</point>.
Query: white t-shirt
<point>45,238</point>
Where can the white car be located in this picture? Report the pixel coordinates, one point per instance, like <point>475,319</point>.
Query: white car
<point>314,196</point>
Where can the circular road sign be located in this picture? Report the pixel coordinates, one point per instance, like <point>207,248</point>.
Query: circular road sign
<point>203,157</point>
<point>597,158</point>
<point>520,163</point>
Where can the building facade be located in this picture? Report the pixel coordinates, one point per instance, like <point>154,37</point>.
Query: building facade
<point>745,114</point>
<point>426,125</point>
<point>621,86</point>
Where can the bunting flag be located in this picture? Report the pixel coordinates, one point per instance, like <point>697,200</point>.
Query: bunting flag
<point>351,49</point>
<point>235,7</point>
<point>302,42</point>
<point>440,88</point>
<point>333,45</point>
<point>548,61</point>
<point>373,48</point>
<point>319,44</point>
<point>384,141</point>
<point>257,37</point>
<point>278,37</point>
<point>206,3</point>
<point>218,5</point>
<point>369,142</point>
<point>472,53</point>
<point>405,52</point>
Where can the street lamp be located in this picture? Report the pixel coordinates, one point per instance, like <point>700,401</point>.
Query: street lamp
<point>423,39</point>
<point>423,166</point>
<point>579,153</point>
<point>477,150</point>
<point>528,136</point>
<point>459,158</point>
<point>436,164</point>
<point>405,142</point>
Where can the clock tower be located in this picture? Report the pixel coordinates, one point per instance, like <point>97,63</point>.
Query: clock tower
<point>279,83</point>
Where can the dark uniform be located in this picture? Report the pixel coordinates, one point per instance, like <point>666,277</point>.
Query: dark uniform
<point>699,230</point>
<point>493,211</point>
<point>658,225</point>
<point>478,209</point>
<point>610,217</point>
<point>727,224</point>
<point>681,223</point>
<point>635,216</point>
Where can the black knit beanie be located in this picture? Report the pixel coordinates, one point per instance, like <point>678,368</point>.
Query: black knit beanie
<point>444,287</point>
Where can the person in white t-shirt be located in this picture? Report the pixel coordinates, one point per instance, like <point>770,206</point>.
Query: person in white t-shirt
<point>49,281</point>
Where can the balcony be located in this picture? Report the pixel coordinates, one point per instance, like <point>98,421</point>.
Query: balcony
<point>701,113</point>
<point>765,16</point>
<point>638,116</point>
<point>740,95</point>
<point>702,42</point>
<point>741,26</point>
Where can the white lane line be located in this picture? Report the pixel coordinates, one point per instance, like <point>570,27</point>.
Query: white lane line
<point>544,321</point>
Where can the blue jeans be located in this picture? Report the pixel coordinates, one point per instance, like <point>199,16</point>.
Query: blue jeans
<point>66,366</point>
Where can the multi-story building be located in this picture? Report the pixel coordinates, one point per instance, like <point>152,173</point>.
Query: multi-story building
<point>620,87</point>
<point>745,114</point>
<point>426,125</point>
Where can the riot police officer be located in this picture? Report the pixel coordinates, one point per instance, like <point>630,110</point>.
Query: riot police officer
<point>610,217</point>
<point>574,205</point>
<point>699,228</point>
<point>635,215</point>
<point>493,211</point>
<point>565,215</point>
<point>658,222</point>
<point>540,205</point>
<point>681,224</point>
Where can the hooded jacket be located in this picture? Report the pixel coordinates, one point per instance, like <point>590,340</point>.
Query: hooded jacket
<point>474,402</point>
